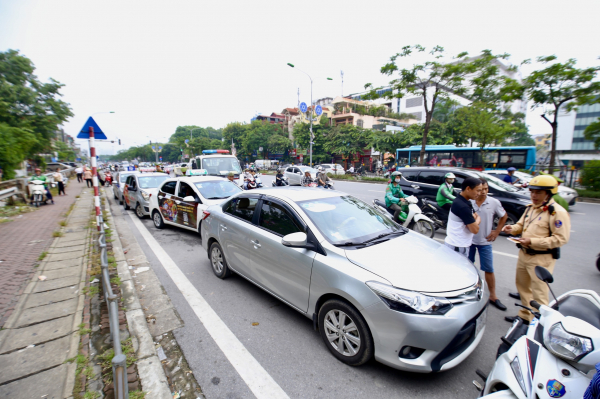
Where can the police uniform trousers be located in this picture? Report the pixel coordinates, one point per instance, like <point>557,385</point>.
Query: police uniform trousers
<point>529,286</point>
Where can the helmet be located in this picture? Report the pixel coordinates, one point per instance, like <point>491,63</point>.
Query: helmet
<point>450,176</point>
<point>544,182</point>
<point>396,173</point>
<point>320,168</point>
<point>37,170</point>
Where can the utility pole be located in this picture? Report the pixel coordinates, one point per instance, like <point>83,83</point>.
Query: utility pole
<point>342,74</point>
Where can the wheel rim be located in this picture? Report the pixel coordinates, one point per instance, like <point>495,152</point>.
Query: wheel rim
<point>342,333</point>
<point>217,260</point>
<point>138,209</point>
<point>157,219</point>
<point>424,228</point>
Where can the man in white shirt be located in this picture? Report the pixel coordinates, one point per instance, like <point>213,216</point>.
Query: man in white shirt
<point>487,208</point>
<point>351,170</point>
<point>463,222</point>
<point>79,171</point>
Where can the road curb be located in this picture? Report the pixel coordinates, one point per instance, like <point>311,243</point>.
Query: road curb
<point>588,200</point>
<point>153,378</point>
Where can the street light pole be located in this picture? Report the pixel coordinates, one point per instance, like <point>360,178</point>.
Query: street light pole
<point>196,128</point>
<point>312,109</point>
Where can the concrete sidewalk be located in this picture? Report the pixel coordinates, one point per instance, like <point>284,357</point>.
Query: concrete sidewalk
<point>42,331</point>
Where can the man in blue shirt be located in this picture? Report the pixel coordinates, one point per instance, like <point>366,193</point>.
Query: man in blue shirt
<point>508,178</point>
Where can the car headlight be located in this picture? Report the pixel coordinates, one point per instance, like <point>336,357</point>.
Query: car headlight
<point>566,345</point>
<point>516,369</point>
<point>409,301</point>
<point>145,195</point>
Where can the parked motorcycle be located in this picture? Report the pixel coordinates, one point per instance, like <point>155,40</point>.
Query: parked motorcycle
<point>415,220</point>
<point>38,192</point>
<point>553,355</point>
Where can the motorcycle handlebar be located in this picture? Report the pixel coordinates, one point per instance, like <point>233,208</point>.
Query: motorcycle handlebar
<point>535,304</point>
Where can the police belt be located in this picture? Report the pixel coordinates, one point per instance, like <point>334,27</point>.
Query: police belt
<point>555,252</point>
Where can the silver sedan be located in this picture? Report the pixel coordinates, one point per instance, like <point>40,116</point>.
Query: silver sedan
<point>371,287</point>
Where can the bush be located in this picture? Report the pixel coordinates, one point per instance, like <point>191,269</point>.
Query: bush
<point>588,193</point>
<point>590,175</point>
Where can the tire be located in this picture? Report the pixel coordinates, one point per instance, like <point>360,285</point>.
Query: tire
<point>424,227</point>
<point>598,263</point>
<point>218,261</point>
<point>139,211</point>
<point>436,222</point>
<point>121,201</point>
<point>125,205</point>
<point>357,346</point>
<point>158,220</point>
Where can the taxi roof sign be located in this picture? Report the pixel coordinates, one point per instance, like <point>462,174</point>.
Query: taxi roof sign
<point>84,133</point>
<point>196,172</point>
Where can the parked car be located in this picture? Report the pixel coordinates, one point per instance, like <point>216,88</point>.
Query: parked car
<point>296,173</point>
<point>334,258</point>
<point>424,182</point>
<point>522,179</point>
<point>138,189</point>
<point>180,201</point>
<point>333,168</point>
<point>118,184</point>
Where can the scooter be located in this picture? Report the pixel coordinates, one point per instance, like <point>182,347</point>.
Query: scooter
<point>415,220</point>
<point>554,355</point>
<point>38,192</point>
<point>284,181</point>
<point>108,179</point>
<point>438,216</point>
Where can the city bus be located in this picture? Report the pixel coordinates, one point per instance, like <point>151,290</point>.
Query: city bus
<point>469,157</point>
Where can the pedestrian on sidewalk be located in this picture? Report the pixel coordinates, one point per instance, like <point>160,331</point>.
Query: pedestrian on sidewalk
<point>87,175</point>
<point>79,172</point>
<point>544,227</point>
<point>463,222</point>
<point>487,208</point>
<point>58,177</point>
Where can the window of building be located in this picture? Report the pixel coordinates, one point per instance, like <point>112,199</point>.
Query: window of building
<point>359,123</point>
<point>414,102</point>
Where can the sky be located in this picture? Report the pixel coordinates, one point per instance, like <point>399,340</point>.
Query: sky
<point>163,64</point>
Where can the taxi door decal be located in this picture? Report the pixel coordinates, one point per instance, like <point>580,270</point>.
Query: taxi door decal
<point>167,206</point>
<point>188,211</point>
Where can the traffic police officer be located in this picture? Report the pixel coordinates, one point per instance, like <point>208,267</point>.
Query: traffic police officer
<point>544,227</point>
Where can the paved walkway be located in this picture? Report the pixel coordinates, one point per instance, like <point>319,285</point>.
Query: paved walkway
<point>42,331</point>
<point>23,240</point>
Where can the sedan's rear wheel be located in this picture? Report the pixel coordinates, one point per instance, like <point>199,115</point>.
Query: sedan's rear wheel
<point>345,333</point>
<point>158,220</point>
<point>218,262</point>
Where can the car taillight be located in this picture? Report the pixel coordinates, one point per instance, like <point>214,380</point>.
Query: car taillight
<point>205,214</point>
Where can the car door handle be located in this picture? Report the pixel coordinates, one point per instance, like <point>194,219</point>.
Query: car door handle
<point>256,244</point>
<point>415,186</point>
<point>223,227</point>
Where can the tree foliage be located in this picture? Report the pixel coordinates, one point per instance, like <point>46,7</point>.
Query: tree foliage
<point>592,132</point>
<point>347,140</point>
<point>27,105</point>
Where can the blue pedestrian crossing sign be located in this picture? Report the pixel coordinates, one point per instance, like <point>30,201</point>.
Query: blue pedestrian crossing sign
<point>303,107</point>
<point>84,133</point>
<point>318,110</point>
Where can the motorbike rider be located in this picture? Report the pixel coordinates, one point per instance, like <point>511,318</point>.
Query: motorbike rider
<point>544,227</point>
<point>307,179</point>
<point>322,178</point>
<point>279,178</point>
<point>508,178</point>
<point>231,177</point>
<point>39,176</point>
<point>445,194</point>
<point>395,195</point>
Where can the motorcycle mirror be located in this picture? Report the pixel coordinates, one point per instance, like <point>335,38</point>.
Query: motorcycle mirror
<point>543,274</point>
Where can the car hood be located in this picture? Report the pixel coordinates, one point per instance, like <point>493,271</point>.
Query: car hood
<point>416,263</point>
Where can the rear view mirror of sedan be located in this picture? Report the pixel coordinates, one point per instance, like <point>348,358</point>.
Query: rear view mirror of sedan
<point>297,240</point>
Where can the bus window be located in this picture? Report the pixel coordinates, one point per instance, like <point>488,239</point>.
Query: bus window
<point>402,158</point>
<point>414,157</point>
<point>490,157</point>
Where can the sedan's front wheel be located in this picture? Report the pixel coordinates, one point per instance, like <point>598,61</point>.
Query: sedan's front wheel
<point>345,333</point>
<point>158,220</point>
<point>218,262</point>
<point>139,211</point>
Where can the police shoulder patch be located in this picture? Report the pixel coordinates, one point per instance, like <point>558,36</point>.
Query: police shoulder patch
<point>557,224</point>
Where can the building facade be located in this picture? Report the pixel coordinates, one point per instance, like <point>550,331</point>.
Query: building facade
<point>571,146</point>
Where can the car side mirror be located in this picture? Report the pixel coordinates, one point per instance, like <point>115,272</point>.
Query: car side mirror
<point>543,274</point>
<point>295,240</point>
<point>189,198</point>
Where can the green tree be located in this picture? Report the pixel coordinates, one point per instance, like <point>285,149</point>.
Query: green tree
<point>269,136</point>
<point>15,144</point>
<point>65,153</point>
<point>592,132</point>
<point>556,85</point>
<point>28,104</point>
<point>590,175</point>
<point>348,140</point>
<point>236,132</point>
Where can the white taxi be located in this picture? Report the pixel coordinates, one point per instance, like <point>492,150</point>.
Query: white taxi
<point>181,200</point>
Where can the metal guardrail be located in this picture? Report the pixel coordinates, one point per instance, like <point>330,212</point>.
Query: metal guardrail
<point>9,192</point>
<point>119,361</point>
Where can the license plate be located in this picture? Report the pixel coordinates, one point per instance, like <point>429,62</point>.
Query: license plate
<point>480,322</point>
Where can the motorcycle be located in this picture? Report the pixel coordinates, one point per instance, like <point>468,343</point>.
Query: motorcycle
<point>415,219</point>
<point>438,216</point>
<point>554,354</point>
<point>284,181</point>
<point>108,179</point>
<point>251,184</point>
<point>38,192</point>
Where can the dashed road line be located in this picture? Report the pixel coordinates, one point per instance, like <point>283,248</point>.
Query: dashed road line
<point>254,375</point>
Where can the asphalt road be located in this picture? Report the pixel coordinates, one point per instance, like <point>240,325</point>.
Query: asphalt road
<point>293,354</point>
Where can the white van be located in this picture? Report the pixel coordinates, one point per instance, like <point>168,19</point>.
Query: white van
<point>218,163</point>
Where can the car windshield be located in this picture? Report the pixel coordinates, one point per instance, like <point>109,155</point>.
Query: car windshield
<point>151,181</point>
<point>221,166</point>
<point>305,169</point>
<point>346,219</point>
<point>526,177</point>
<point>217,189</point>
<point>496,183</point>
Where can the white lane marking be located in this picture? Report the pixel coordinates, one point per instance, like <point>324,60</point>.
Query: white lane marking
<point>254,375</point>
<point>496,252</point>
